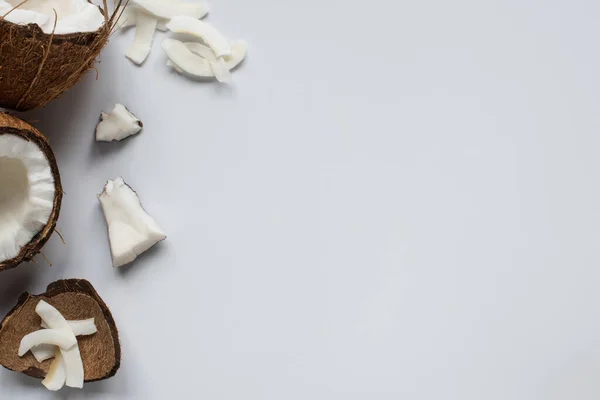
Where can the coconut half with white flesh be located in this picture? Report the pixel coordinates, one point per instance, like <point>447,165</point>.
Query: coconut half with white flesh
<point>47,47</point>
<point>75,300</point>
<point>30,191</point>
<point>131,230</point>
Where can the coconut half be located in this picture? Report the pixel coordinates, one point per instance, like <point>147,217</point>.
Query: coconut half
<point>75,299</point>
<point>30,191</point>
<point>42,56</point>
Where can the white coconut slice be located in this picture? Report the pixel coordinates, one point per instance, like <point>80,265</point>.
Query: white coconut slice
<point>84,327</point>
<point>205,66</point>
<point>128,17</point>
<point>167,9</point>
<point>71,357</point>
<point>119,124</point>
<point>74,16</point>
<point>209,34</point>
<point>57,374</point>
<point>62,338</point>
<point>145,28</point>
<point>27,193</point>
<point>131,230</point>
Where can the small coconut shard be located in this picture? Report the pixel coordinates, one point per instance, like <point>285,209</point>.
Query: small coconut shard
<point>119,124</point>
<point>201,30</point>
<point>30,191</point>
<point>145,28</point>
<point>40,59</point>
<point>131,230</point>
<point>76,300</point>
<point>168,9</point>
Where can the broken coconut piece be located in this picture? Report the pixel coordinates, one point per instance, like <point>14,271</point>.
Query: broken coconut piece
<point>195,59</point>
<point>119,124</point>
<point>30,191</point>
<point>209,34</point>
<point>36,66</point>
<point>168,9</point>
<point>131,231</point>
<point>75,299</point>
<point>145,28</point>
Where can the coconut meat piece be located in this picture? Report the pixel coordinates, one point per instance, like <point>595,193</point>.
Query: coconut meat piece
<point>199,67</point>
<point>84,327</point>
<point>71,357</point>
<point>119,124</point>
<point>26,193</point>
<point>131,230</point>
<point>73,15</point>
<point>57,374</point>
<point>62,338</point>
<point>167,9</point>
<point>213,38</point>
<point>145,28</point>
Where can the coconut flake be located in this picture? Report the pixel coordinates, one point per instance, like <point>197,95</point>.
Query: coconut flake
<point>213,38</point>
<point>119,124</point>
<point>62,338</point>
<point>71,357</point>
<point>168,9</point>
<point>85,327</point>
<point>26,193</point>
<point>128,17</point>
<point>145,29</point>
<point>131,230</point>
<point>57,374</point>
<point>205,66</point>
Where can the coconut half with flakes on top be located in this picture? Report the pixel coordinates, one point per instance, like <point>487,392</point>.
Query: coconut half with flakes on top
<point>48,46</point>
<point>30,191</point>
<point>71,314</point>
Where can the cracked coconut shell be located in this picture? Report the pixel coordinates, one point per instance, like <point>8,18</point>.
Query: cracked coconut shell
<point>76,299</point>
<point>10,125</point>
<point>36,67</point>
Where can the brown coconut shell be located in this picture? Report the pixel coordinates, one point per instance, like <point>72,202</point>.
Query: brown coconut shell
<point>36,67</point>
<point>10,125</point>
<point>76,299</point>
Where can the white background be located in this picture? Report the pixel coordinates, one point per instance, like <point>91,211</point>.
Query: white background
<point>396,200</point>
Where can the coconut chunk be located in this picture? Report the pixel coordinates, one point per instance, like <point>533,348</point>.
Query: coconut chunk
<point>119,124</point>
<point>74,16</point>
<point>145,28</point>
<point>205,66</point>
<point>71,357</point>
<point>168,9</point>
<point>131,230</point>
<point>62,338</point>
<point>213,38</point>
<point>57,375</point>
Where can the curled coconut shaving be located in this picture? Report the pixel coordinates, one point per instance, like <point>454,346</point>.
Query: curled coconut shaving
<point>131,230</point>
<point>119,124</point>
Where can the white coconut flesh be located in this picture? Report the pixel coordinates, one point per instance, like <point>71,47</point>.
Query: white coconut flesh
<point>74,16</point>
<point>57,374</point>
<point>85,327</point>
<point>131,230</point>
<point>119,124</point>
<point>200,29</point>
<point>145,28</point>
<point>26,193</point>
<point>71,356</point>
<point>168,9</point>
<point>198,60</point>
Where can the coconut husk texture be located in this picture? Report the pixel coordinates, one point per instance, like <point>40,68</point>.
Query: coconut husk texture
<point>10,125</point>
<point>36,67</point>
<point>76,299</point>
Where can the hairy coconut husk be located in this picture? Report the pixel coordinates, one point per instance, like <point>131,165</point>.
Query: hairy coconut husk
<point>36,67</point>
<point>76,299</point>
<point>10,125</point>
